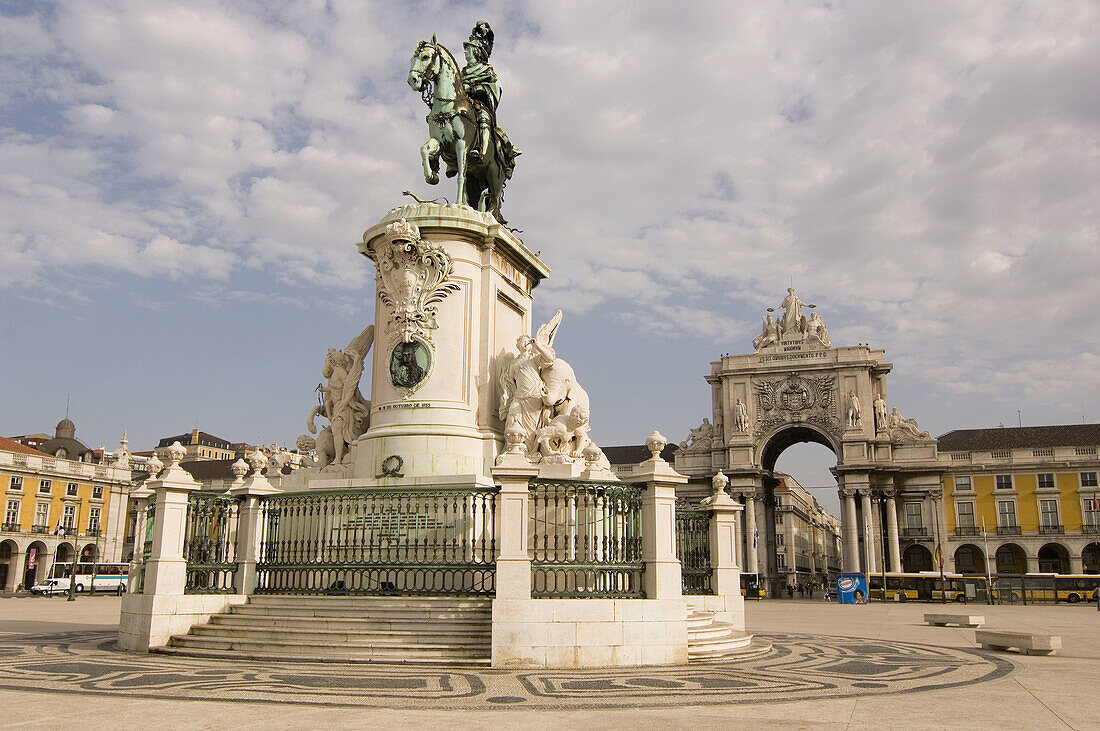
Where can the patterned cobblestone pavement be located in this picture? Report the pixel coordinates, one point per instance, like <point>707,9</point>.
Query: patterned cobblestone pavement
<point>799,667</point>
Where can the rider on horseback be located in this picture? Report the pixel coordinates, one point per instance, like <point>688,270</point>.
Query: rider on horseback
<point>481,84</point>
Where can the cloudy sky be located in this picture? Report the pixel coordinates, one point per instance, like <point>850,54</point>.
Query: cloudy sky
<point>182,184</point>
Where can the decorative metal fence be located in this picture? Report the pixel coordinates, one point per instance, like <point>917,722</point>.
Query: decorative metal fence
<point>587,539</point>
<point>693,548</point>
<point>379,541</point>
<point>209,543</point>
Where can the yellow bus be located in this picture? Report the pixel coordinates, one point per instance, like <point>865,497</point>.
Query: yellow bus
<point>927,586</point>
<point>1048,588</point>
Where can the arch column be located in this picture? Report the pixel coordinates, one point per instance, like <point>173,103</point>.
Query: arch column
<point>892,530</point>
<point>752,565</point>
<point>869,555</point>
<point>848,529</point>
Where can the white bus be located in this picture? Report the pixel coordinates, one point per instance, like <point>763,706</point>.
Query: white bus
<point>89,577</point>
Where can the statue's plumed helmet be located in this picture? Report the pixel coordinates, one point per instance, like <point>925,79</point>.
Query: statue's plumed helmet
<point>481,37</point>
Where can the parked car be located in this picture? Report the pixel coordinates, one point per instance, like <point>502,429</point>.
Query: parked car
<point>51,586</point>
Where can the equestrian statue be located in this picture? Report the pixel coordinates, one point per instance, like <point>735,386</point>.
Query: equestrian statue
<point>462,123</point>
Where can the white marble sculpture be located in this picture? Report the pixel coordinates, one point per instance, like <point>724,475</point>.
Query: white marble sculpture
<point>792,321</point>
<point>816,332</point>
<point>542,405</point>
<point>700,439</point>
<point>855,413</point>
<point>769,335</point>
<point>881,417</point>
<point>342,403</point>
<point>741,417</point>
<point>902,428</point>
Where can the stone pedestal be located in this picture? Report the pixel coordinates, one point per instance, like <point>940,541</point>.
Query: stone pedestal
<point>447,310</point>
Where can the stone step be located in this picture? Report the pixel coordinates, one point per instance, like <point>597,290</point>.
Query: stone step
<point>324,636</point>
<point>370,601</point>
<point>332,655</point>
<point>353,624</point>
<point>715,629</point>
<point>361,612</point>
<point>368,646</point>
<point>754,648</point>
<point>700,619</point>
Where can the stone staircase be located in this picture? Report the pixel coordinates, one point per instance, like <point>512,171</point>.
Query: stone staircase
<point>709,639</point>
<point>441,630</point>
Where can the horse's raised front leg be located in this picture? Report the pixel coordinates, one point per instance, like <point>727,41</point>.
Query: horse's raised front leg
<point>429,156</point>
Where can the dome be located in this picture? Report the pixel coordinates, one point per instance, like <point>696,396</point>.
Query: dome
<point>65,429</point>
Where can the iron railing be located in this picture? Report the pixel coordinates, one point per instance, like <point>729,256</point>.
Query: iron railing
<point>421,540</point>
<point>693,548</point>
<point>967,530</point>
<point>209,543</point>
<point>586,539</point>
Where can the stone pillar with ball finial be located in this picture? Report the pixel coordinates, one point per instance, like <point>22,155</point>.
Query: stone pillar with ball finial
<point>249,515</point>
<point>662,567</point>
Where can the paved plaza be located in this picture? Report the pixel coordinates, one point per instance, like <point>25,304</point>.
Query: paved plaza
<point>830,666</point>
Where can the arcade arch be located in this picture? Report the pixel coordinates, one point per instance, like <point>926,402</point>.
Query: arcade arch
<point>969,559</point>
<point>1090,558</point>
<point>1054,558</point>
<point>9,552</point>
<point>89,554</point>
<point>916,558</point>
<point>1011,559</point>
<point>35,564</point>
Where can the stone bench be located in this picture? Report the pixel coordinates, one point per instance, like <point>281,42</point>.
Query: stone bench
<point>963,620</point>
<point>1028,643</point>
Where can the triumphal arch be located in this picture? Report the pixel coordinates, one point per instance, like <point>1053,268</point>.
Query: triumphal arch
<point>798,387</point>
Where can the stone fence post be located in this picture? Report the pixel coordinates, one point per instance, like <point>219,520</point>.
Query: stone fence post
<point>249,515</point>
<point>166,570</point>
<point>725,539</point>
<point>662,567</point>
<point>513,574</point>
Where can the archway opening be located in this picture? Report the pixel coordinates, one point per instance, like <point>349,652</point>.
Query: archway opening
<point>916,558</point>
<point>1011,559</point>
<point>8,551</point>
<point>801,547</point>
<point>89,554</point>
<point>1090,558</point>
<point>64,553</point>
<point>34,567</point>
<point>1054,559</point>
<point>969,559</point>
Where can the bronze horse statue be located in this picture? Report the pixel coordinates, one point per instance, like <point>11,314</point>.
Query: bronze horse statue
<point>452,130</point>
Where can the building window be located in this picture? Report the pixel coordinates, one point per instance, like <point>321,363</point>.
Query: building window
<point>70,489</point>
<point>93,521</point>
<point>1046,481</point>
<point>11,516</point>
<point>914,517</point>
<point>965,513</point>
<point>1004,482</point>
<point>1006,513</point>
<point>1049,511</point>
<point>68,517</point>
<point>97,492</point>
<point>779,519</point>
<point>781,560</point>
<point>779,539</point>
<point>44,487</point>
<point>16,484</point>
<point>42,515</point>
<point>1092,512</point>
<point>1088,479</point>
<point>963,484</point>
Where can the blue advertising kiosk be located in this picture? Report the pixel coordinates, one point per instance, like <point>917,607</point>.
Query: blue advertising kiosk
<point>851,588</point>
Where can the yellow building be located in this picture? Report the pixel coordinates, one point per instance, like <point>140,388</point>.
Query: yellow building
<point>1028,495</point>
<point>53,507</point>
<point>198,445</point>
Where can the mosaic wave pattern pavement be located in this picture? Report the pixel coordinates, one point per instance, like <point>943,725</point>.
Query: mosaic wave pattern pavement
<point>799,667</point>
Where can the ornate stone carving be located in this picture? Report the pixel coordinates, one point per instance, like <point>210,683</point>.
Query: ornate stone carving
<point>541,403</point>
<point>882,419</point>
<point>656,444</point>
<point>412,279</point>
<point>795,399</point>
<point>700,439</point>
<point>855,412</point>
<point>740,417</point>
<point>793,325</point>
